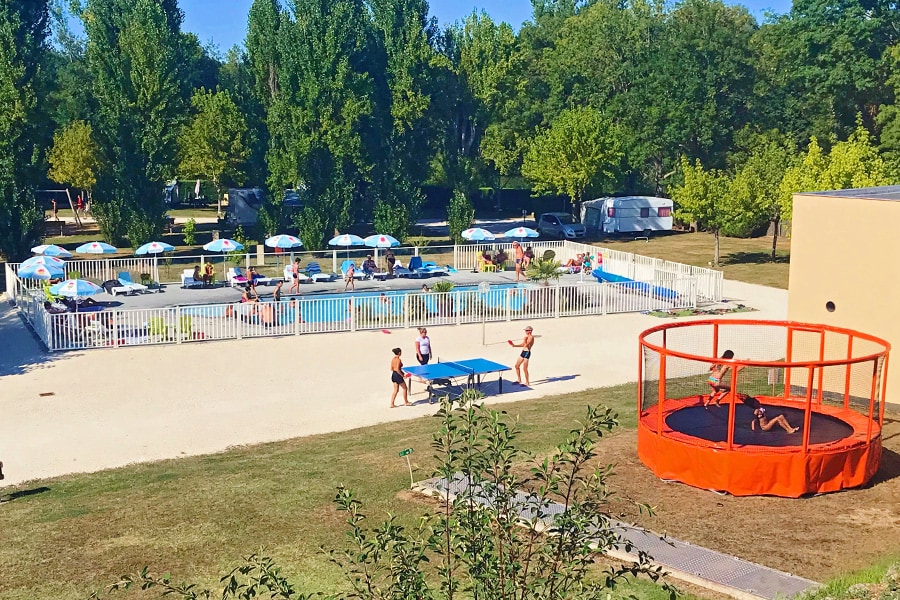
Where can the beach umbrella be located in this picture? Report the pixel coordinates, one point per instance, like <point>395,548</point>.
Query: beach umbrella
<point>283,241</point>
<point>346,240</point>
<point>75,288</point>
<point>154,248</point>
<point>381,241</point>
<point>43,260</point>
<point>96,248</point>
<point>477,234</point>
<point>522,233</point>
<point>41,272</point>
<point>52,250</point>
<point>223,245</point>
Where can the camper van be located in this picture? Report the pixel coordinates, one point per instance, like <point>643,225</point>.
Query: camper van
<point>627,214</point>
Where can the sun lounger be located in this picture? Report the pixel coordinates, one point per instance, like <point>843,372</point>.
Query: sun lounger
<point>401,271</point>
<point>314,272</point>
<point>126,285</point>
<point>235,278</point>
<point>357,273</point>
<point>188,281</point>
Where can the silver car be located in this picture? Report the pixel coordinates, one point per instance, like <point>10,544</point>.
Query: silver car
<point>560,225</point>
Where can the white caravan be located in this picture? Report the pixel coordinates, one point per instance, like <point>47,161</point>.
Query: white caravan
<point>627,214</point>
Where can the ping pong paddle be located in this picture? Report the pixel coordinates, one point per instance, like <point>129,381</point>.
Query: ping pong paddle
<point>385,331</point>
<point>509,342</point>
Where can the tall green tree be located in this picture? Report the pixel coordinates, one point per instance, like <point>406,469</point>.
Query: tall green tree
<point>263,23</point>
<point>403,152</point>
<point>135,54</point>
<point>703,197</point>
<point>23,33</point>
<point>804,175</point>
<point>580,153</point>
<point>73,158</point>
<point>322,117</point>
<point>213,145</point>
<point>888,119</point>
<point>460,215</point>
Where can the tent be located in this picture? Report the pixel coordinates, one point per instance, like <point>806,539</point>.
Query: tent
<point>243,206</point>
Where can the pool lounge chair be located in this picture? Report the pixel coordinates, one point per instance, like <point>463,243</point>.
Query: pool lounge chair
<point>240,277</point>
<point>417,268</point>
<point>235,278</point>
<point>357,272</point>
<point>314,272</point>
<point>126,285</point>
<point>188,281</point>
<point>401,271</point>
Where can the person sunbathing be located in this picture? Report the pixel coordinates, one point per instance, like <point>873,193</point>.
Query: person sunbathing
<point>575,262</point>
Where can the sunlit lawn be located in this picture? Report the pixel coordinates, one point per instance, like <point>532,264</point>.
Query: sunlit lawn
<point>197,516</point>
<point>741,259</point>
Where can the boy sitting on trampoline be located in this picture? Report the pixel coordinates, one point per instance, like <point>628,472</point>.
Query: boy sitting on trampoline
<point>717,373</point>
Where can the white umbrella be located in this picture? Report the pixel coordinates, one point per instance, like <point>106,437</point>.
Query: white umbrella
<point>283,241</point>
<point>223,245</point>
<point>381,241</point>
<point>477,234</point>
<point>522,233</point>
<point>154,248</point>
<point>41,272</point>
<point>75,288</point>
<point>42,260</point>
<point>347,240</point>
<point>96,248</point>
<point>52,250</point>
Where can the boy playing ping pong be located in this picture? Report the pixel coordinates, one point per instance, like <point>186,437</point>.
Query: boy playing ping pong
<point>525,356</point>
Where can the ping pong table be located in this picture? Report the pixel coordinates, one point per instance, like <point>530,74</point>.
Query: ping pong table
<point>471,369</point>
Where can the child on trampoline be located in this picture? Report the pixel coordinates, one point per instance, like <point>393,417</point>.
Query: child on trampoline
<point>765,423</point>
<point>717,374</point>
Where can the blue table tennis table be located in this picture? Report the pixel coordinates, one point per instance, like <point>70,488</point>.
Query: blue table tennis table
<point>471,369</point>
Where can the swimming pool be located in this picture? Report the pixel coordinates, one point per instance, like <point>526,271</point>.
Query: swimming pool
<point>387,305</point>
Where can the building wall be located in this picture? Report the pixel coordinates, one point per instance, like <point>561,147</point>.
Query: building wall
<point>846,250</point>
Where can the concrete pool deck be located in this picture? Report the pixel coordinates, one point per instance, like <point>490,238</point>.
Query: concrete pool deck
<point>77,411</point>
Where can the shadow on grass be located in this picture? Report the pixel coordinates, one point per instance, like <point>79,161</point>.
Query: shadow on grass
<point>24,493</point>
<point>754,258</point>
<point>889,469</point>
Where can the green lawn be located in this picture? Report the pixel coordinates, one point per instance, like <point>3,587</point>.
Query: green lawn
<point>195,517</point>
<point>741,259</point>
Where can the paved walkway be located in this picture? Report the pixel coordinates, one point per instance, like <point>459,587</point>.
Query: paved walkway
<point>87,411</point>
<point>710,569</point>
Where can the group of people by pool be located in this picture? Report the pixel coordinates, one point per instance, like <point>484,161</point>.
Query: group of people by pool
<point>719,388</point>
<point>425,350</point>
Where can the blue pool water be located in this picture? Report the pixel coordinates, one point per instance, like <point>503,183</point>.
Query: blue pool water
<point>336,307</point>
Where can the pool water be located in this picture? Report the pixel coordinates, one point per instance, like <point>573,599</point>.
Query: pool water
<point>376,304</point>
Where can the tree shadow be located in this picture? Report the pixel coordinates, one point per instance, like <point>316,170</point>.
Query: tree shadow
<point>23,493</point>
<point>753,258</point>
<point>22,351</point>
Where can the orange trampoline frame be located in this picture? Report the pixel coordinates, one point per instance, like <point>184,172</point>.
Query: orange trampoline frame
<point>744,470</point>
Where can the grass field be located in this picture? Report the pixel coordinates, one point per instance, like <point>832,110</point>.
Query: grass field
<point>741,259</point>
<point>197,516</point>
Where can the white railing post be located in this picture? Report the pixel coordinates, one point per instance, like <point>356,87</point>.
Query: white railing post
<point>178,332</point>
<point>558,292</point>
<point>406,311</point>
<point>508,302</point>
<point>352,314</point>
<point>334,261</point>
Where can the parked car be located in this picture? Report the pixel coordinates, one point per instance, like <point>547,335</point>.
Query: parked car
<point>560,225</point>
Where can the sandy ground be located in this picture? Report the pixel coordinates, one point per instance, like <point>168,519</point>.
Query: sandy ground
<point>86,411</point>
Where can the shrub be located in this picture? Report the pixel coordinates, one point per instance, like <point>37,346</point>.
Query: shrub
<point>190,232</point>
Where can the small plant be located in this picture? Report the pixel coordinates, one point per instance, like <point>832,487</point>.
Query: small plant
<point>236,257</point>
<point>460,214</point>
<point>442,286</point>
<point>543,270</point>
<point>190,232</point>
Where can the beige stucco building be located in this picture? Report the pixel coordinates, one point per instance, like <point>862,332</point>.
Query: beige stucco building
<point>845,265</point>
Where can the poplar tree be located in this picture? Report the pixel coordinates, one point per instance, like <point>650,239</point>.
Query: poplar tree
<point>23,33</point>
<point>135,55</point>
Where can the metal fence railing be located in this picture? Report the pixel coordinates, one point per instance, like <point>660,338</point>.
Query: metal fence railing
<point>296,316</point>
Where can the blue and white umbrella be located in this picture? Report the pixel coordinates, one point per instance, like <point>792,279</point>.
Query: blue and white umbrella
<point>42,260</point>
<point>477,234</point>
<point>381,241</point>
<point>96,248</point>
<point>347,239</point>
<point>223,245</point>
<point>41,272</point>
<point>75,288</point>
<point>154,248</point>
<point>283,241</point>
<point>522,233</point>
<point>52,250</point>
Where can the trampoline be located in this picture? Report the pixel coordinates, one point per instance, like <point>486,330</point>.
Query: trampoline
<point>826,381</point>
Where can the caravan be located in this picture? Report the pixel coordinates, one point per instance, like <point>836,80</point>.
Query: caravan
<point>627,214</point>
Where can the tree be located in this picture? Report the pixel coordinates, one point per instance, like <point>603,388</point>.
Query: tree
<point>888,118</point>
<point>487,540</point>
<point>757,184</point>
<point>263,22</point>
<point>214,143</point>
<point>460,214</point>
<point>321,120</point>
<point>855,163</point>
<point>23,32</point>
<point>73,158</point>
<point>703,197</point>
<point>579,153</point>
<point>135,55</point>
<point>804,176</point>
